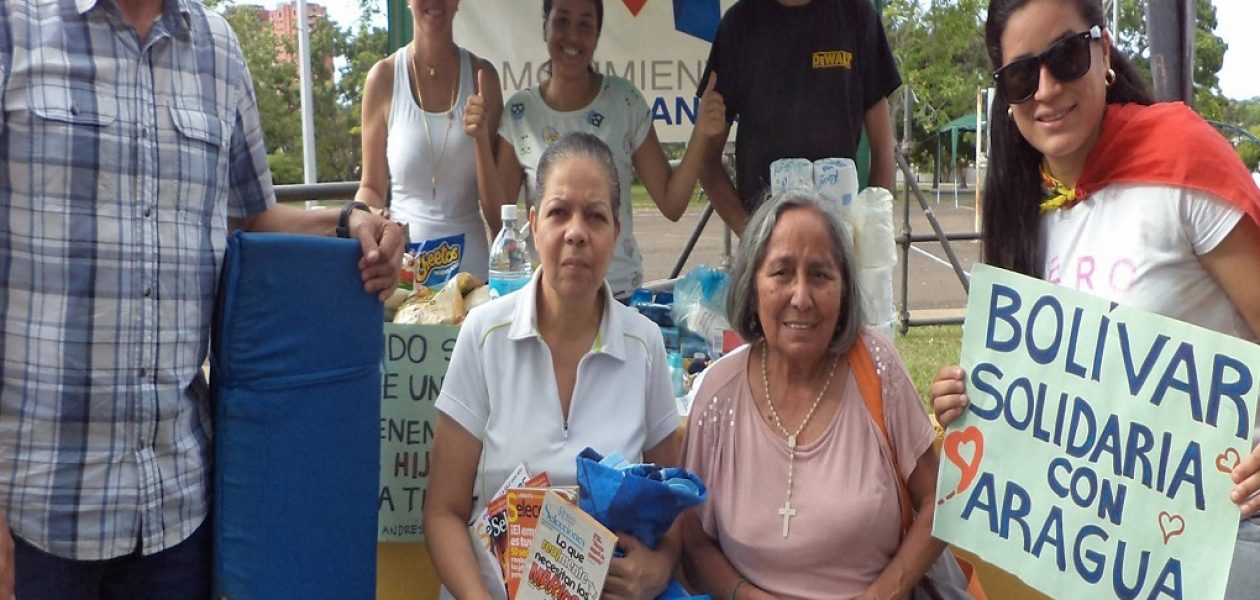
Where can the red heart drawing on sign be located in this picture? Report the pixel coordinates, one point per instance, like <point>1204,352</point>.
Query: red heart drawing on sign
<point>1166,521</point>
<point>1227,460</point>
<point>635,6</point>
<point>953,440</point>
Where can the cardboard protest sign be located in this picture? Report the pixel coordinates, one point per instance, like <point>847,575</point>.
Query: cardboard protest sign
<point>416,359</point>
<point>1093,460</point>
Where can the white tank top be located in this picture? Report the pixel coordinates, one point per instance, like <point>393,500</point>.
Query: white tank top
<point>450,207</point>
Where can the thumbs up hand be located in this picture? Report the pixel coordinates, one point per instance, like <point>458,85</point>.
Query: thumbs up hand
<point>711,118</point>
<point>475,111</point>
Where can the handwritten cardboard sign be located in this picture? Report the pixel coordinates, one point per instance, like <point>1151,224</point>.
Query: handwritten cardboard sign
<point>416,359</point>
<point>1093,460</point>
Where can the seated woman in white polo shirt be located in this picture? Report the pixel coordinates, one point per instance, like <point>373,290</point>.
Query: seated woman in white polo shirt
<point>540,374</point>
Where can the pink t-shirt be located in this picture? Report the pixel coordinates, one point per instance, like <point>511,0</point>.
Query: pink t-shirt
<point>848,521</point>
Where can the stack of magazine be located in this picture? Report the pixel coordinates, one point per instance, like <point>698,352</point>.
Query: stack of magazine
<point>546,546</point>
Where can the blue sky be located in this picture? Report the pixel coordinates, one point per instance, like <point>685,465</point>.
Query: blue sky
<point>1237,24</point>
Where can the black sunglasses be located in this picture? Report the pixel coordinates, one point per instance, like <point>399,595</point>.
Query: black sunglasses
<point>1068,60</point>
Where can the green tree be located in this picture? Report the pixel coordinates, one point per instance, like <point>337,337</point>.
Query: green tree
<point>275,87</point>
<point>1209,56</point>
<point>366,45</point>
<point>336,147</point>
<point>939,46</point>
<point>1249,150</point>
<point>285,167</point>
<point>1209,52</point>
<point>336,90</point>
<point>1245,113</point>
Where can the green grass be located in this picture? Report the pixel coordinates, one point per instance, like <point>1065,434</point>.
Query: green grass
<point>925,349</point>
<point>639,198</point>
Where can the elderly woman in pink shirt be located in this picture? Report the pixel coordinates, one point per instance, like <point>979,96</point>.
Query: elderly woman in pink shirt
<point>804,499</point>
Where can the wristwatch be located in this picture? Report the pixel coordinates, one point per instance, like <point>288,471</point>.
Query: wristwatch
<point>343,222</point>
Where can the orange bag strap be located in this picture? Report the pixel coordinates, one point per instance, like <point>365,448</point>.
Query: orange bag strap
<point>863,368</point>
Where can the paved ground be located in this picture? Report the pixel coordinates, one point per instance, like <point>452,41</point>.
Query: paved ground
<point>933,288</point>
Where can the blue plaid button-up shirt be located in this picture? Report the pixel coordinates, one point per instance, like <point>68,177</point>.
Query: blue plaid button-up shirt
<point>121,161</point>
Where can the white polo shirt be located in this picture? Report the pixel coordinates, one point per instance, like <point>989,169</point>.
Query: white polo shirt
<point>501,387</point>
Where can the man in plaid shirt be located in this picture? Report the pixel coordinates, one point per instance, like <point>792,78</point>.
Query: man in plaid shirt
<point>129,146</point>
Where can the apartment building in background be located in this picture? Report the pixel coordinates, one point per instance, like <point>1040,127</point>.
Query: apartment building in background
<point>284,23</point>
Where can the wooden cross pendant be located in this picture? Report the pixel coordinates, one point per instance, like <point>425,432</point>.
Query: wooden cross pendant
<point>788,512</point>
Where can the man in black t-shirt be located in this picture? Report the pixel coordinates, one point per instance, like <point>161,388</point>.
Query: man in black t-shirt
<point>804,77</point>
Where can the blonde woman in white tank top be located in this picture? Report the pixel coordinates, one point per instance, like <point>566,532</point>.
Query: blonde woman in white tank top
<point>416,154</point>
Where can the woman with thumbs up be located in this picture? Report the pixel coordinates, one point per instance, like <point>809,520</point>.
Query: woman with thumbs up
<point>577,98</point>
<point>414,155</point>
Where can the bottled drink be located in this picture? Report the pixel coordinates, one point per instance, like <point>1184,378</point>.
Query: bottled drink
<point>509,262</point>
<point>676,373</point>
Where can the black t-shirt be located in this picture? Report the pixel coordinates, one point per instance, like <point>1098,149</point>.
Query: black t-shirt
<point>800,78</point>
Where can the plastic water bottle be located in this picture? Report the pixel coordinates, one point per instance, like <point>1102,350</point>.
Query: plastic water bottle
<point>509,263</point>
<point>676,373</point>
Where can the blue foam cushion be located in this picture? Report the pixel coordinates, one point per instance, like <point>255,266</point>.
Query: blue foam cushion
<point>295,377</point>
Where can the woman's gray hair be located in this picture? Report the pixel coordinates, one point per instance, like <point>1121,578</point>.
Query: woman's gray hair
<point>741,299</point>
<point>572,145</point>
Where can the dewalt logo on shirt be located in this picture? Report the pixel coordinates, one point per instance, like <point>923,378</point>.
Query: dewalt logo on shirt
<point>832,59</point>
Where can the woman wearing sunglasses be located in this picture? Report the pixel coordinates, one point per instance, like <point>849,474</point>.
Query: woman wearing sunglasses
<point>1093,186</point>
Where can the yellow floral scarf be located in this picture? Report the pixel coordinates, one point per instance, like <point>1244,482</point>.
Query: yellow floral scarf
<point>1055,193</point>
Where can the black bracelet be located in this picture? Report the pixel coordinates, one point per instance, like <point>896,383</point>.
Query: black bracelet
<point>343,222</point>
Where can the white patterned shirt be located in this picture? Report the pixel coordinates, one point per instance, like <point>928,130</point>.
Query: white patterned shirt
<point>618,116</point>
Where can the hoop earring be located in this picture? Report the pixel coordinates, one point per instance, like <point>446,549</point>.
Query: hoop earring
<point>1110,77</point>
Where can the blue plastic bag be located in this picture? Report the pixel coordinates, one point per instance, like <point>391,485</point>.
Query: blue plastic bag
<point>700,307</point>
<point>640,499</point>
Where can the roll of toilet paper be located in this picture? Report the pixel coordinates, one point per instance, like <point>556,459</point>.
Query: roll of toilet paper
<point>876,288</point>
<point>874,239</point>
<point>791,173</point>
<point>848,235</point>
<point>836,180</point>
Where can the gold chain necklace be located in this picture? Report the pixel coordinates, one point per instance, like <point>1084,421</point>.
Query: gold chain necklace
<point>424,118</point>
<point>787,512</point>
